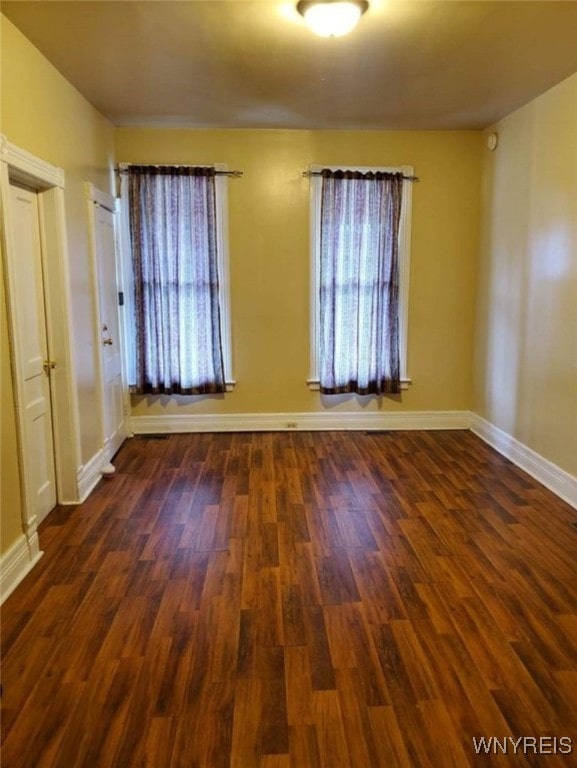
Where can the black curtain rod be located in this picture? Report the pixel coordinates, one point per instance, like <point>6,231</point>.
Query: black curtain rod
<point>308,174</point>
<point>125,169</point>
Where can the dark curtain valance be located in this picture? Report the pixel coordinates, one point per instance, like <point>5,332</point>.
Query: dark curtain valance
<point>172,170</point>
<point>326,173</point>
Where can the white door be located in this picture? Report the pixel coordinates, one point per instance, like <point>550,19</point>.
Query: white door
<point>32,355</point>
<point>113,395</point>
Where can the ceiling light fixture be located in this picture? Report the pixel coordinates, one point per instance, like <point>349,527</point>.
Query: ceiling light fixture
<point>332,18</point>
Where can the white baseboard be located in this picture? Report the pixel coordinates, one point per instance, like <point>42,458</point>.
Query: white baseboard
<point>89,474</point>
<point>16,563</point>
<point>280,422</point>
<point>548,474</point>
<point>551,476</point>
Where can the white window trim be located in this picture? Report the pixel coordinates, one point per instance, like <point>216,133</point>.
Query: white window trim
<point>224,273</point>
<point>127,277</point>
<point>404,265</point>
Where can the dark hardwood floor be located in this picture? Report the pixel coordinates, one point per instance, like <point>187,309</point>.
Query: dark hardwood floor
<point>297,599</point>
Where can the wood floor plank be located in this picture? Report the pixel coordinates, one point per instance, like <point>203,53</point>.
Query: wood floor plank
<point>297,600</point>
<point>331,733</point>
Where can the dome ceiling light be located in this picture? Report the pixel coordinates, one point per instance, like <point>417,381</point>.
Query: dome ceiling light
<point>331,18</point>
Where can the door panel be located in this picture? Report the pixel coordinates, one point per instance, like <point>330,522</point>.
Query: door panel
<point>32,349</point>
<point>113,395</point>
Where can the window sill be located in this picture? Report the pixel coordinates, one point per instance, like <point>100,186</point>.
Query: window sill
<point>314,385</point>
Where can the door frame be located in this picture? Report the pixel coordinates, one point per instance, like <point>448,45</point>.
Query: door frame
<point>18,165</point>
<point>97,198</point>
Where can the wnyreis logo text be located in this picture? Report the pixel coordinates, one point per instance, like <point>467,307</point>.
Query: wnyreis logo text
<point>523,745</point>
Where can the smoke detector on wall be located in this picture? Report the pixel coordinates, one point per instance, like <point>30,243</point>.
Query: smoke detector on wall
<point>492,141</point>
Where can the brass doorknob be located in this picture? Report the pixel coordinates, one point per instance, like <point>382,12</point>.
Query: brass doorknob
<point>107,342</point>
<point>49,365</point>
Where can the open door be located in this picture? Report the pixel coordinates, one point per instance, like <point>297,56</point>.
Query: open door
<point>113,418</point>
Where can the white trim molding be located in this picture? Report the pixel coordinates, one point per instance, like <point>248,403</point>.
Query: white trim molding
<point>554,478</point>
<point>28,168</point>
<point>16,563</point>
<point>89,474</point>
<point>103,199</point>
<point>334,420</point>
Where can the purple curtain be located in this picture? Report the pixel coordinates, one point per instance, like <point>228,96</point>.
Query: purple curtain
<point>359,284</point>
<point>174,250</point>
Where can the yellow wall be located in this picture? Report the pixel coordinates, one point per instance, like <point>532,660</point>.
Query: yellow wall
<point>43,114</point>
<point>526,339</point>
<point>270,258</point>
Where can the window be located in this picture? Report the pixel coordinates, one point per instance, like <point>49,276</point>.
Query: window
<point>176,281</point>
<point>360,232</point>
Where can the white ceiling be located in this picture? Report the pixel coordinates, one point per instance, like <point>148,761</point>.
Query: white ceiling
<point>424,64</point>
